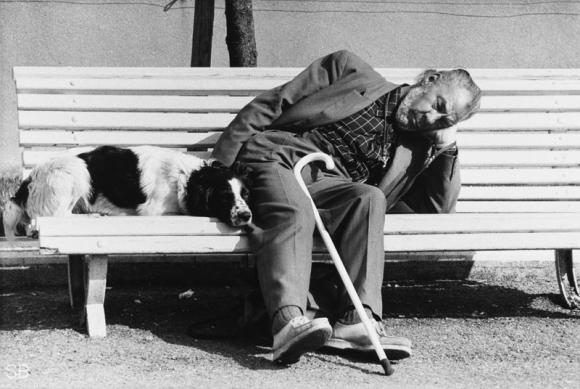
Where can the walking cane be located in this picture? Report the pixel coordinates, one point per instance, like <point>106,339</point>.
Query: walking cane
<point>373,335</point>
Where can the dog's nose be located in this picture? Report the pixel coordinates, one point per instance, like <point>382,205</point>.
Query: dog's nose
<point>245,216</point>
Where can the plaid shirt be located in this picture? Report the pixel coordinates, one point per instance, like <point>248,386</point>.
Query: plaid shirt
<point>364,140</point>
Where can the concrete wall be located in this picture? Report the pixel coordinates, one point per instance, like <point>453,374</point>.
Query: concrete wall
<point>288,33</point>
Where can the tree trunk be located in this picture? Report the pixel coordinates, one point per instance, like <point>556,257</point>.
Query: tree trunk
<point>202,33</point>
<point>240,37</point>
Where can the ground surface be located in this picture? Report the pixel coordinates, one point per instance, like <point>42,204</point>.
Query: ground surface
<point>500,328</point>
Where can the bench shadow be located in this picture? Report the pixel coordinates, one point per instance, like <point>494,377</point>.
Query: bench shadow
<point>36,309</point>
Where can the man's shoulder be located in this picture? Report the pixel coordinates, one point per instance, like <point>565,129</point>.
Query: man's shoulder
<point>346,56</point>
<point>343,53</point>
<point>351,64</point>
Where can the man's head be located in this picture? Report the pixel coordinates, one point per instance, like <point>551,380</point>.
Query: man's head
<point>438,100</point>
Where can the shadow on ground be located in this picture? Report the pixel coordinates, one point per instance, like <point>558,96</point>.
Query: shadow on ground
<point>213,313</point>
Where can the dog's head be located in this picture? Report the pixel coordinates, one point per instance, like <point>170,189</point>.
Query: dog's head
<point>217,191</point>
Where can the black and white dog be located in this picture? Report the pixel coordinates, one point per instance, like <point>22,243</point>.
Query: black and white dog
<point>143,180</point>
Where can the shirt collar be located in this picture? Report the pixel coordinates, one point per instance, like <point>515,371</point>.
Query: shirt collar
<point>392,100</point>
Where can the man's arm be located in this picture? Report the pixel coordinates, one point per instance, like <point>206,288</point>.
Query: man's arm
<point>437,188</point>
<point>267,107</point>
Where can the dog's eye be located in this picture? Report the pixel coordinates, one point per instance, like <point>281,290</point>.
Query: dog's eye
<point>245,193</point>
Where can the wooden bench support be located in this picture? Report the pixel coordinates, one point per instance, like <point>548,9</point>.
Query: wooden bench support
<point>95,286</point>
<point>76,281</point>
<point>567,281</point>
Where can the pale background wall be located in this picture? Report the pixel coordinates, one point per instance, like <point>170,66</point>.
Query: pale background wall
<point>471,33</point>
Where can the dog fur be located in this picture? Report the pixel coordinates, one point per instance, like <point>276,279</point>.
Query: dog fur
<point>142,180</point>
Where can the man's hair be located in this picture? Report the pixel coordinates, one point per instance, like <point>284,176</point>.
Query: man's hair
<point>459,78</point>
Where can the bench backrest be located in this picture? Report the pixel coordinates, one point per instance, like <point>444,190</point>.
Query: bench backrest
<point>521,153</point>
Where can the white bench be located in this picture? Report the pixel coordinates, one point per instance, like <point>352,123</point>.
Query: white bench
<point>520,160</point>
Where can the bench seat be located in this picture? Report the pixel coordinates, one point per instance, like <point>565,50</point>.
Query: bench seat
<point>520,163</point>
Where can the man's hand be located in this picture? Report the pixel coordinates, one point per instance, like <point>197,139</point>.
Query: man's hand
<point>443,137</point>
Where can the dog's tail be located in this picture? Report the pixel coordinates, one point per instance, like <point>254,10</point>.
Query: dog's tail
<point>57,186</point>
<point>53,188</point>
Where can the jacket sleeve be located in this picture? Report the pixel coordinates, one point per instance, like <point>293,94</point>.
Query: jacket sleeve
<point>267,107</point>
<point>437,188</point>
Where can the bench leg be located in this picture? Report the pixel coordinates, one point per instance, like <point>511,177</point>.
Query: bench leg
<point>76,281</point>
<point>567,281</point>
<point>95,286</point>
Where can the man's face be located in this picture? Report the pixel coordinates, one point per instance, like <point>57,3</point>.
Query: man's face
<point>433,106</point>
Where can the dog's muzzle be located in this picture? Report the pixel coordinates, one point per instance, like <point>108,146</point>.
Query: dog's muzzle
<point>241,215</point>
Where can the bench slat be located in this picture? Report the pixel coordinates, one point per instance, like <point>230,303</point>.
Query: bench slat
<point>520,193</point>
<point>122,120</point>
<point>530,103</point>
<point>155,72</point>
<point>245,84</point>
<point>395,224</point>
<point>531,176</point>
<point>405,224</point>
<point>178,139</point>
<point>483,241</point>
<point>524,140</point>
<point>83,225</point>
<point>159,103</point>
<point>154,120</point>
<point>523,121</point>
<point>144,245</point>
<point>523,158</point>
<point>498,207</point>
<point>502,141</point>
<point>169,103</point>
<point>186,85</point>
<point>543,233</point>
<point>239,244</point>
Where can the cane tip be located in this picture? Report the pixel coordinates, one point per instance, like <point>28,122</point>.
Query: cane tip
<point>387,367</point>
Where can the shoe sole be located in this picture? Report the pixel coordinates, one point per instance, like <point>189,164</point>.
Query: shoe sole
<point>392,351</point>
<point>310,341</point>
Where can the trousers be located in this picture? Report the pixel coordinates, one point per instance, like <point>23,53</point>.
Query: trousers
<point>353,213</point>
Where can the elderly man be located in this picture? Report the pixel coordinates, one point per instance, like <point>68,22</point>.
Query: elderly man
<point>394,148</point>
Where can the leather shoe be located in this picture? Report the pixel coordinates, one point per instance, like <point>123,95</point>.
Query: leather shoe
<point>355,337</point>
<point>300,336</point>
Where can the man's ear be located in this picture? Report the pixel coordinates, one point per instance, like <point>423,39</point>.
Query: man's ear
<point>433,77</point>
<point>428,76</point>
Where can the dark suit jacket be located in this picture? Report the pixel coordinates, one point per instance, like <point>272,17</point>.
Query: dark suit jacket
<point>420,178</point>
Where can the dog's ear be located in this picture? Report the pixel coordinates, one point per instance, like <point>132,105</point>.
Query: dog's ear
<point>197,194</point>
<point>243,172</point>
